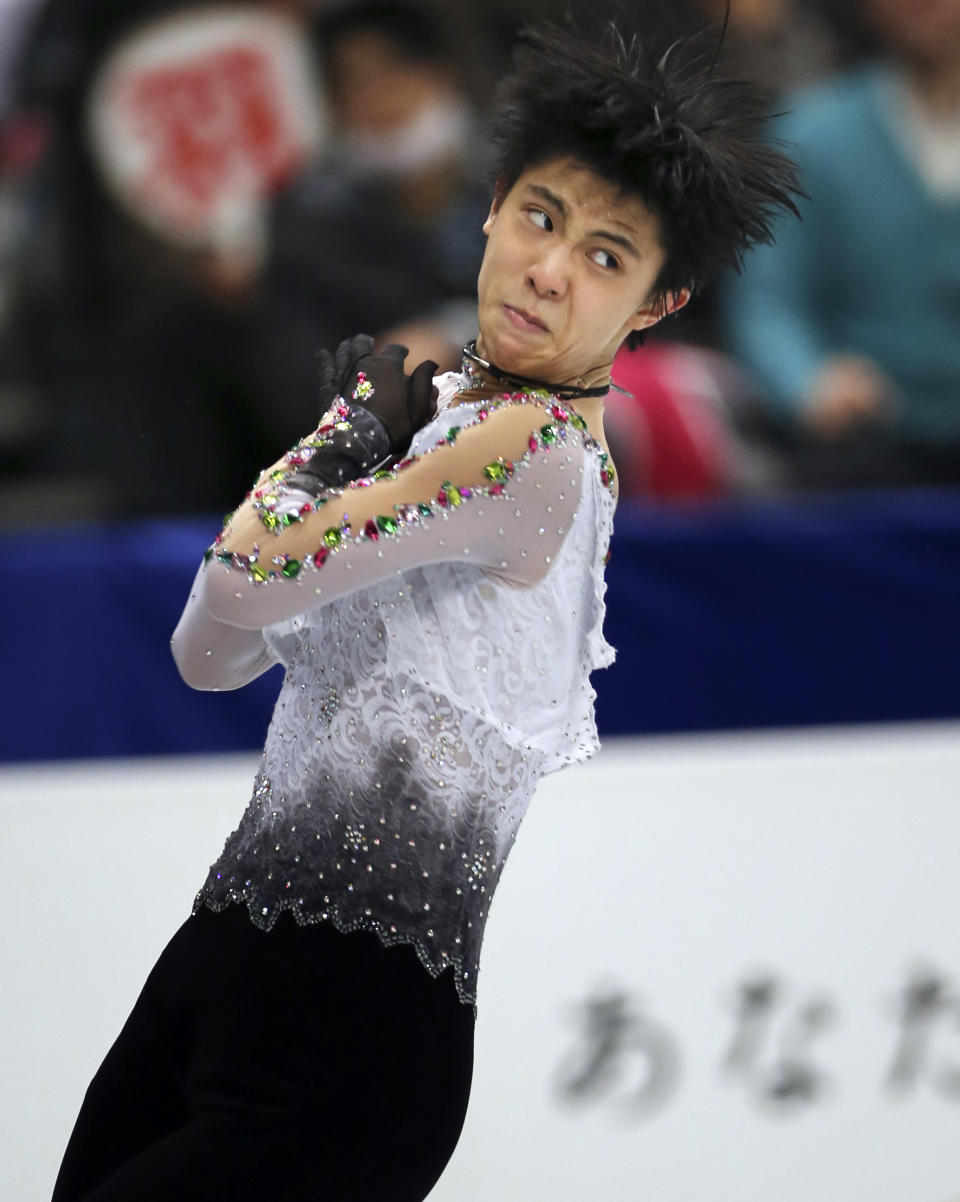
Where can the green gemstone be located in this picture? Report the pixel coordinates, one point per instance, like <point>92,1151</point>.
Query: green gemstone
<point>577,421</point>
<point>290,569</point>
<point>333,537</point>
<point>270,520</point>
<point>289,518</point>
<point>452,433</point>
<point>387,524</point>
<point>208,555</point>
<point>453,494</point>
<point>548,433</point>
<point>382,473</point>
<point>225,557</point>
<point>495,472</point>
<point>424,508</point>
<point>258,573</point>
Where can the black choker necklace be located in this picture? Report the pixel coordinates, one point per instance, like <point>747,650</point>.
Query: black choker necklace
<point>566,392</point>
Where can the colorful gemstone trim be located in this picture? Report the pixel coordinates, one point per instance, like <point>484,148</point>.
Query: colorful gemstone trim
<point>271,500</point>
<point>450,496</point>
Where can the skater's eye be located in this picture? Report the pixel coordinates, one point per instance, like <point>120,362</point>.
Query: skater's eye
<point>605,259</point>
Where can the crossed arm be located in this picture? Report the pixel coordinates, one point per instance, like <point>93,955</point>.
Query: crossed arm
<point>499,492</point>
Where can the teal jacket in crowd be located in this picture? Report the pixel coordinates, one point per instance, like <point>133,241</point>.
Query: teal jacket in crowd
<point>874,269</point>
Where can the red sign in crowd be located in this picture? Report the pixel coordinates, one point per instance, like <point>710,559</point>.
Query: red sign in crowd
<point>194,117</point>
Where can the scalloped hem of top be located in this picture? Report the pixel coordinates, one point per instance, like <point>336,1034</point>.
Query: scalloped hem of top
<point>466,994</point>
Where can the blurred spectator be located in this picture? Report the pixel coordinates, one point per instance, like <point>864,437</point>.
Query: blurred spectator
<point>670,423</point>
<point>782,44</point>
<point>676,435</point>
<point>383,233</point>
<point>135,354</point>
<point>172,353</point>
<point>851,322</point>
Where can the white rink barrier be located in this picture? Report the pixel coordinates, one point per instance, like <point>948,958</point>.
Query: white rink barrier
<point>721,967</point>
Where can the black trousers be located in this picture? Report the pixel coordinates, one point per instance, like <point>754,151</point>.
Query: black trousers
<point>291,1065</point>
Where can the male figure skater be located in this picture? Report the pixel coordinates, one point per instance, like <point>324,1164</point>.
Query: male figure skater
<point>308,1032</point>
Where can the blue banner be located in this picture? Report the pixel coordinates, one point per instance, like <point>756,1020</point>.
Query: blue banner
<point>800,611</point>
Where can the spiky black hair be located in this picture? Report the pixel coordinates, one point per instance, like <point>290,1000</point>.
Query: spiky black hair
<point>666,127</point>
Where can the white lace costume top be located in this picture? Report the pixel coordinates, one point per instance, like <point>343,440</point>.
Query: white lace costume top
<point>438,643</point>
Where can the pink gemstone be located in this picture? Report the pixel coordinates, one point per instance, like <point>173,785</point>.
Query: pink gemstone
<point>304,509</point>
<point>466,492</point>
<point>496,490</point>
<point>532,443</point>
<point>320,556</point>
<point>371,531</point>
<point>442,496</point>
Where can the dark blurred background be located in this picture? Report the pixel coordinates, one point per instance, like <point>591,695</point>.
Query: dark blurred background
<point>195,197</point>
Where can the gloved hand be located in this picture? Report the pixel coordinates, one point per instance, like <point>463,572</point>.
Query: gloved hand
<point>402,403</point>
<point>386,405</point>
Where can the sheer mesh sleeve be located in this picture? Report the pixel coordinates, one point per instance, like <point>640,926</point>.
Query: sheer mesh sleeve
<point>213,655</point>
<point>348,443</point>
<point>496,492</point>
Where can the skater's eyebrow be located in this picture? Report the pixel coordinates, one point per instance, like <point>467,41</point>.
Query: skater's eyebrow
<point>561,207</point>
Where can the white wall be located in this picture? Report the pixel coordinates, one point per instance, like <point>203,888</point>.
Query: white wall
<point>667,871</point>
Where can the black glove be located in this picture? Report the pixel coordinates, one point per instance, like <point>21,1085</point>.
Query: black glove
<point>385,408</point>
<point>402,403</point>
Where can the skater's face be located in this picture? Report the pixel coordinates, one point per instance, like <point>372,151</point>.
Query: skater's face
<point>567,274</point>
